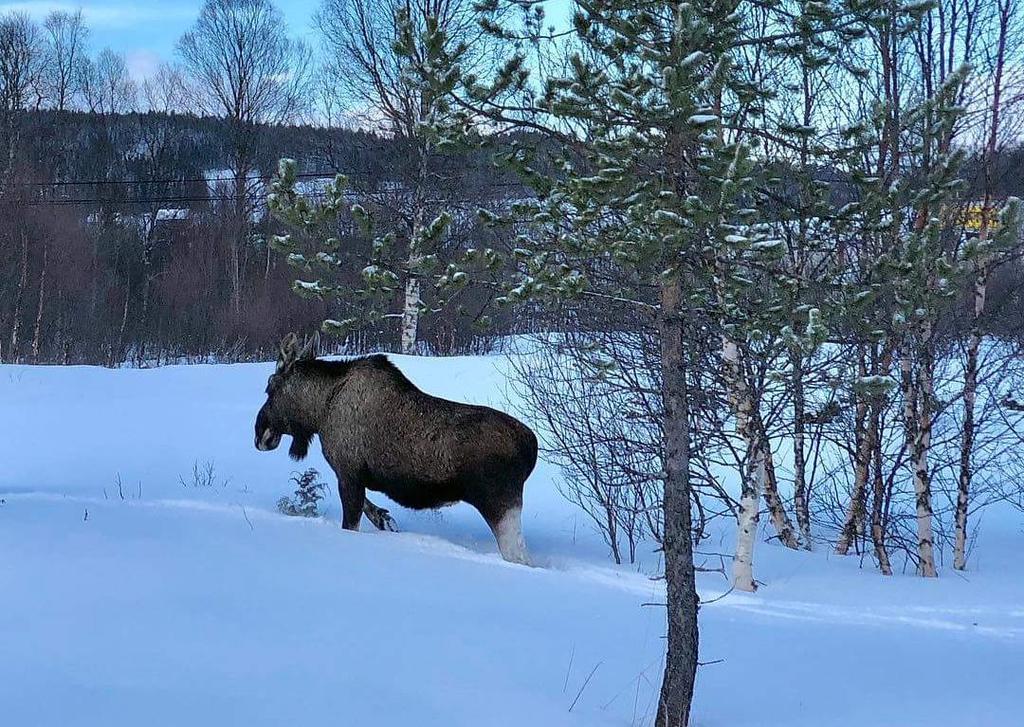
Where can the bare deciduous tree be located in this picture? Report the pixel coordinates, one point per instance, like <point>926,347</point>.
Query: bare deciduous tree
<point>1007,32</point>
<point>21,64</point>
<point>66,35</point>
<point>165,91</point>
<point>244,67</point>
<point>107,86</point>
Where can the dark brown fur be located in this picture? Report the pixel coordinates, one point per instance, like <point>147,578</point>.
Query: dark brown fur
<point>380,432</point>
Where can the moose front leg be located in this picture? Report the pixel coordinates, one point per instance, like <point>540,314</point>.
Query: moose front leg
<point>380,517</point>
<point>353,499</point>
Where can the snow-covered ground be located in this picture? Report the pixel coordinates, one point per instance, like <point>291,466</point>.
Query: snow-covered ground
<point>158,602</point>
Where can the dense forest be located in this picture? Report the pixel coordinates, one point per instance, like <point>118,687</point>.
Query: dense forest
<point>118,246</point>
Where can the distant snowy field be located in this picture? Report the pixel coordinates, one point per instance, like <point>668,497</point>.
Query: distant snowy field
<point>159,603</point>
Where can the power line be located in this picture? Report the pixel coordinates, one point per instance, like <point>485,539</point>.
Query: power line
<point>188,199</point>
<point>147,200</point>
<point>187,180</point>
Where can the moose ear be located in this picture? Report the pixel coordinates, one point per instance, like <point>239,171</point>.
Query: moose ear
<point>309,350</point>
<point>288,352</point>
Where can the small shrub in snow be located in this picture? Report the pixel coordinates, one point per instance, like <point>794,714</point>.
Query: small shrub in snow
<point>308,493</point>
<point>203,476</point>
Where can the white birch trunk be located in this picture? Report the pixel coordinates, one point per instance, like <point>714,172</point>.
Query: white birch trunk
<point>922,475</point>
<point>240,238</point>
<point>746,525</point>
<point>800,495</point>
<point>970,398</point>
<point>776,509</point>
<point>917,410</point>
<point>411,302</point>
<point>867,439</point>
<point>877,510</point>
<point>410,315</point>
<point>865,442</point>
<point>754,476</point>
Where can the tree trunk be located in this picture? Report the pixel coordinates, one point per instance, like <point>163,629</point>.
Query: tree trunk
<point>147,282</point>
<point>144,316</point>
<point>866,439</point>
<point>240,238</point>
<point>12,132</point>
<point>65,337</point>
<point>759,475</point>
<point>922,475</point>
<point>780,520</point>
<point>800,494</point>
<point>967,434</point>
<point>865,442</point>
<point>680,586</point>
<point>917,413</point>
<point>752,481</point>
<point>878,503</point>
<point>37,334</point>
<point>980,292</point>
<point>746,523</point>
<point>267,264</point>
<point>19,300</point>
<point>410,315</point>
<point>119,353</point>
<point>411,302</point>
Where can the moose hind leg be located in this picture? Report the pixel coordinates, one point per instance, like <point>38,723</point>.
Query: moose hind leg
<point>508,531</point>
<point>380,517</point>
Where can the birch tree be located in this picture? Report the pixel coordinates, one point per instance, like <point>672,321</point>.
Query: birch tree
<point>371,49</point>
<point>106,85</point>
<point>244,67</point>
<point>985,253</point>
<point>66,35</point>
<point>21,64</point>
<point>904,170</point>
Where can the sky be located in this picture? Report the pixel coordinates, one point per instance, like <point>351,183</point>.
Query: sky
<point>145,31</point>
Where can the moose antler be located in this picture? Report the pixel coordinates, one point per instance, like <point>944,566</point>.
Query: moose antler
<point>287,352</point>
<point>291,351</point>
<point>310,347</point>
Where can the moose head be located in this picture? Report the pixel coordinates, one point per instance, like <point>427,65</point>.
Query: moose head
<point>282,413</point>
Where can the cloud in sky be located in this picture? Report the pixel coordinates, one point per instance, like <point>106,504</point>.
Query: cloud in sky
<point>145,31</point>
<point>108,14</point>
<point>142,63</point>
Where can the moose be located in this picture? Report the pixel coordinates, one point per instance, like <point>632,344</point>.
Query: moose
<point>380,432</point>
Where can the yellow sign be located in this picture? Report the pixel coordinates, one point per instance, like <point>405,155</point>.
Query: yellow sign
<point>974,215</point>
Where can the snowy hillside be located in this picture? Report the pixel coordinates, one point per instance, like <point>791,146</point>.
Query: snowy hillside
<point>132,594</point>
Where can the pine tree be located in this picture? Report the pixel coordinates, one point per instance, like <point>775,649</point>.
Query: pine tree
<point>412,92</point>
<point>660,112</point>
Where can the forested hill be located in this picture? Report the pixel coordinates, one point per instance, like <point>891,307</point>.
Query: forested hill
<point>144,153</point>
<point>123,231</point>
